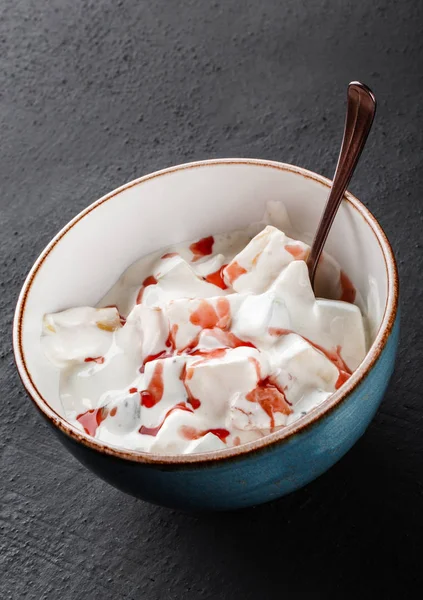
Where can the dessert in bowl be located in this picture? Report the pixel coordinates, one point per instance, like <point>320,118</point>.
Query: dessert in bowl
<point>208,344</point>
<point>257,446</point>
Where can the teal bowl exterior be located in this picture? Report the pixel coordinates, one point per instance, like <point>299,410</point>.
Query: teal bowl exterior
<point>259,475</point>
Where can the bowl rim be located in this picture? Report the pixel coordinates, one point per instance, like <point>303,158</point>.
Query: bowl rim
<point>281,436</point>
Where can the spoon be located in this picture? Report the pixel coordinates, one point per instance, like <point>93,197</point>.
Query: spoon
<point>361,110</point>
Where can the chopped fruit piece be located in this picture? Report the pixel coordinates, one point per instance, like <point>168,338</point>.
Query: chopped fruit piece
<point>72,336</point>
<point>255,268</point>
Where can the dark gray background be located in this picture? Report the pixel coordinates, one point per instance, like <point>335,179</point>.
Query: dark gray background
<point>96,92</point>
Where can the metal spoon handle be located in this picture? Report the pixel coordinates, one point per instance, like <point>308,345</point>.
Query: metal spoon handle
<point>360,114</point>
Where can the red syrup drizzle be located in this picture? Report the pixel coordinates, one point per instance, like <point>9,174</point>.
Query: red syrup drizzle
<point>155,430</point>
<point>216,278</point>
<point>91,419</point>
<point>203,247</point>
<point>154,393</point>
<point>185,375</point>
<point>348,291</point>
<point>208,317</point>
<point>121,318</point>
<point>171,338</point>
<point>169,255</point>
<point>150,280</point>
<point>333,355</point>
<point>208,354</point>
<point>296,251</point>
<point>151,357</point>
<point>98,359</point>
<point>256,364</point>
<point>271,399</point>
<point>190,433</point>
<point>233,271</point>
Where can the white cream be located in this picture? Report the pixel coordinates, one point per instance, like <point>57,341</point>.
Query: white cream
<point>220,349</point>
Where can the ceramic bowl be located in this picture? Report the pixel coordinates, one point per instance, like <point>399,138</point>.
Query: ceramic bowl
<point>186,202</point>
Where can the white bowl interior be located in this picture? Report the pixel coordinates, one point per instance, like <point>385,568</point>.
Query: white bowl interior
<point>182,204</point>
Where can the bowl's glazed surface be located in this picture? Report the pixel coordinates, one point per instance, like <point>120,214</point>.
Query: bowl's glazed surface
<point>89,254</point>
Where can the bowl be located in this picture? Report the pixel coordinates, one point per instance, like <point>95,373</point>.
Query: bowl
<point>185,202</point>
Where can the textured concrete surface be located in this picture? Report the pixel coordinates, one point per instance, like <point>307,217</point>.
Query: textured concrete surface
<point>96,92</point>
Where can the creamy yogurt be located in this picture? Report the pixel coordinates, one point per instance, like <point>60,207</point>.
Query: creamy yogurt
<point>207,344</point>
